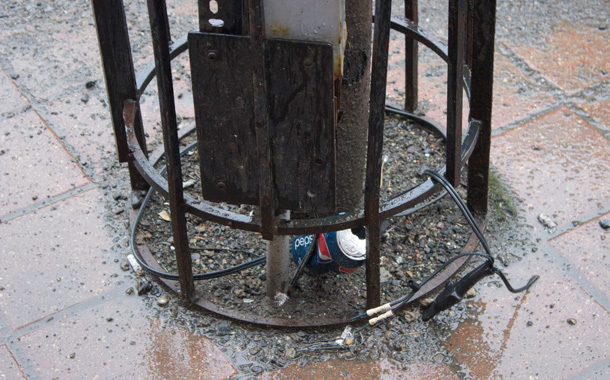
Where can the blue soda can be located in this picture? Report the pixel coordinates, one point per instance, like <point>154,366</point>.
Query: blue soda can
<point>338,252</point>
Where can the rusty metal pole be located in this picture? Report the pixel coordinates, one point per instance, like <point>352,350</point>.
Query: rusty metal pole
<point>483,36</point>
<point>381,42</point>
<point>455,88</point>
<point>161,36</point>
<point>411,59</point>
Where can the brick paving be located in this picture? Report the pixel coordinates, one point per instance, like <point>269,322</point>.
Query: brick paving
<point>62,300</point>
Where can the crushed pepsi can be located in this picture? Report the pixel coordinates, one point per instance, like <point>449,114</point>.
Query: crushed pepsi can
<point>339,252</point>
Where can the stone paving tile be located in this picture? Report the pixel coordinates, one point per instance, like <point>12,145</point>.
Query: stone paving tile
<point>88,128</point>
<point>54,258</point>
<point>528,336</point>
<point>381,370</point>
<point>572,56</point>
<point>9,369</point>
<point>70,46</point>
<point>515,94</point>
<point>118,339</point>
<point>12,101</point>
<point>557,164</point>
<point>34,165</point>
<point>587,249</point>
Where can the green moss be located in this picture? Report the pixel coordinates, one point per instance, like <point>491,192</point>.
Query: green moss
<point>501,199</point>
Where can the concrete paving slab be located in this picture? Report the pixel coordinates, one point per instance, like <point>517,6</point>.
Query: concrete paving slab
<point>54,258</point>
<point>558,166</point>
<point>354,369</point>
<point>531,336</point>
<point>66,31</point>
<point>9,369</point>
<point>13,102</point>
<point>587,249</point>
<point>119,339</point>
<point>34,165</point>
<point>572,56</point>
<point>86,127</point>
<point>516,95</point>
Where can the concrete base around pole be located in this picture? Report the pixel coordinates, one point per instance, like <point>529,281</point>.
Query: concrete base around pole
<point>278,261</point>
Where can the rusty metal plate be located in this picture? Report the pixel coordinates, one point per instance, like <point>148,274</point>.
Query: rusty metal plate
<point>301,121</point>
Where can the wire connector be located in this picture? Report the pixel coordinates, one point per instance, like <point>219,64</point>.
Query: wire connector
<point>378,309</point>
<point>383,316</point>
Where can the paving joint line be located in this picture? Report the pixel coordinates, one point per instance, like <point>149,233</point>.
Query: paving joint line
<point>590,372</point>
<point>47,202</point>
<point>575,274</point>
<point>584,219</point>
<point>12,339</point>
<point>38,107</point>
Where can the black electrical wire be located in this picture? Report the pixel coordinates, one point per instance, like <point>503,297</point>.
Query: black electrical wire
<point>462,206</point>
<point>171,276</point>
<point>400,302</point>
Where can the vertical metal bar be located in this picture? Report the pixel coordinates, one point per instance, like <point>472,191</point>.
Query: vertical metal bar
<point>381,40</point>
<point>484,28</point>
<point>119,75</point>
<point>411,59</point>
<point>457,45</point>
<point>469,33</point>
<point>160,36</point>
<point>261,118</point>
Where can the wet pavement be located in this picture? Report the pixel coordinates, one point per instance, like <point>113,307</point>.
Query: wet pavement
<point>64,312</point>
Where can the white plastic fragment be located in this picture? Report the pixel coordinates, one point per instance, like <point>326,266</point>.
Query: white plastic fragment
<point>280,299</point>
<point>137,268</point>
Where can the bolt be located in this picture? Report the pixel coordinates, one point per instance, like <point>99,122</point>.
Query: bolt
<point>212,55</point>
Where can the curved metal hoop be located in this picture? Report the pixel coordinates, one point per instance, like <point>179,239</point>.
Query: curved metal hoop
<point>210,211</point>
<point>396,204</point>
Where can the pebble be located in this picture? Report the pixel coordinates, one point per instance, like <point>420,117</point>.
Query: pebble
<point>471,293</point>
<point>571,321</point>
<point>409,317</point>
<point>124,264</point>
<point>530,323</point>
<point>143,286</point>
<point>426,302</point>
<point>291,352</point>
<point>163,300</point>
<point>547,221</point>
<point>605,224</point>
<point>129,291</point>
<point>136,201</point>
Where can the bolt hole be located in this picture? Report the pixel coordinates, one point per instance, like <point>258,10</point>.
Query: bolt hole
<point>212,55</point>
<point>221,186</point>
<point>216,23</point>
<point>214,6</point>
<point>318,161</point>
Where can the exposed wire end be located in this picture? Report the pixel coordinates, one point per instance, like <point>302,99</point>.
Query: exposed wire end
<point>378,309</point>
<point>510,288</point>
<point>383,316</point>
